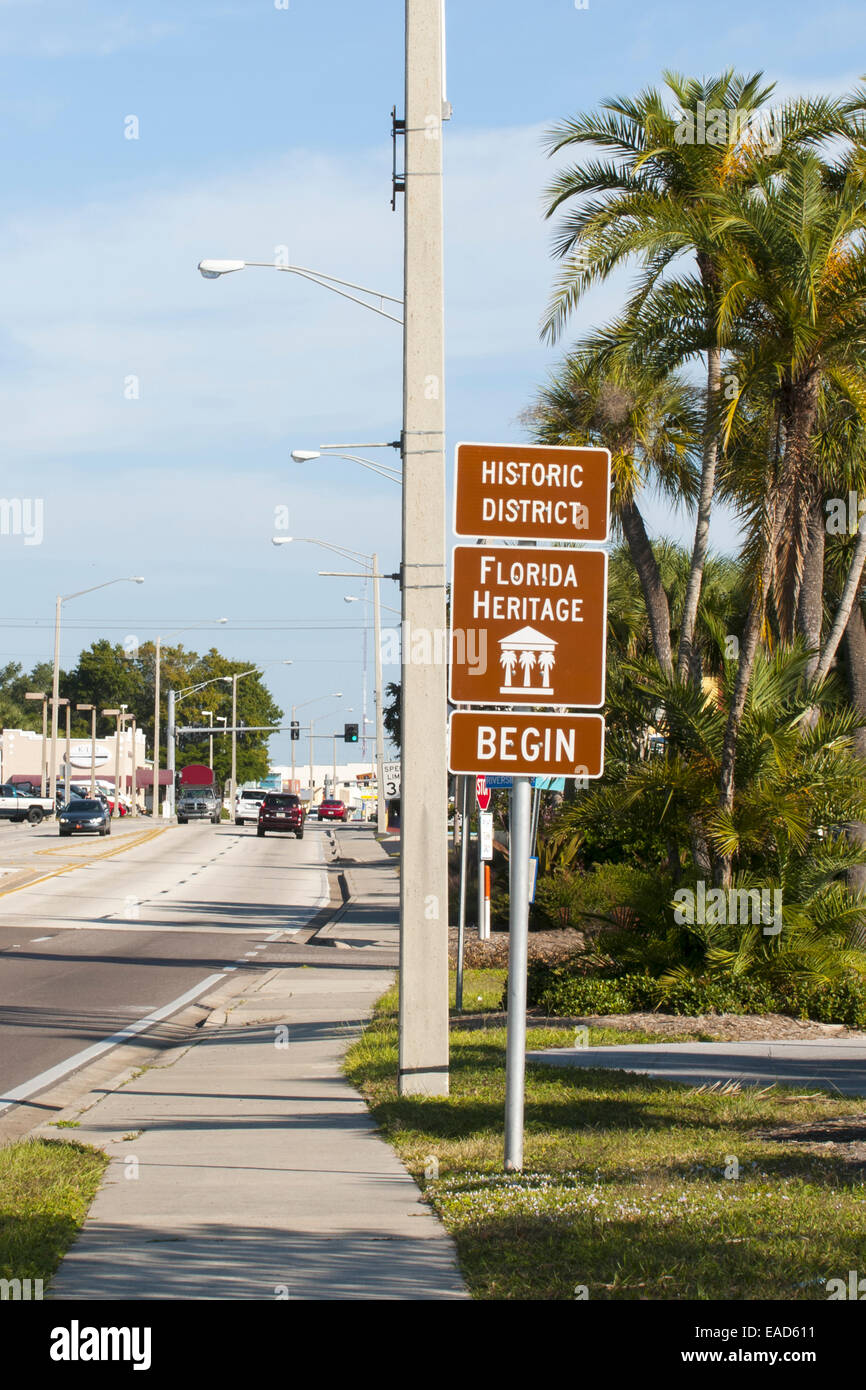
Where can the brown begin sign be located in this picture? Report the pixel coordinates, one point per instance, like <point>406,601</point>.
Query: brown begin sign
<point>532,492</point>
<point>528,626</point>
<point>543,745</point>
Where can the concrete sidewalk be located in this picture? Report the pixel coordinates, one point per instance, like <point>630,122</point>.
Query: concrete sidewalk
<point>245,1166</point>
<point>834,1064</point>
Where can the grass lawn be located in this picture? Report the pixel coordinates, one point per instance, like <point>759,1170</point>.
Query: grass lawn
<point>46,1187</point>
<point>624,1193</point>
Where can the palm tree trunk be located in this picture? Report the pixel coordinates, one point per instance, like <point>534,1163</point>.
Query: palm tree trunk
<point>798,490</point>
<point>846,604</point>
<point>702,526</point>
<point>855,650</point>
<point>655,598</point>
<point>745,666</point>
<point>810,601</point>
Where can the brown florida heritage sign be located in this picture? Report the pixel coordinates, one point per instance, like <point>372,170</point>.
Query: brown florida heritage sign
<point>528,626</point>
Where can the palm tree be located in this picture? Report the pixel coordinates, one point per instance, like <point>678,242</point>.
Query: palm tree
<point>794,308</point>
<point>651,200</point>
<point>651,422</point>
<point>798,784</point>
<point>527,661</point>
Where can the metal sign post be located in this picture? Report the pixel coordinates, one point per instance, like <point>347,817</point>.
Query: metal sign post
<point>464,868</point>
<point>518,949</point>
<point>485,854</point>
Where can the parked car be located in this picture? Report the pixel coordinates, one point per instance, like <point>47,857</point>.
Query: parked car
<point>85,816</point>
<point>281,811</point>
<point>17,805</point>
<point>248,803</point>
<point>333,810</point>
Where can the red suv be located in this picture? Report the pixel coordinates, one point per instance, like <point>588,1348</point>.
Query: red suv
<point>281,811</point>
<point>333,810</point>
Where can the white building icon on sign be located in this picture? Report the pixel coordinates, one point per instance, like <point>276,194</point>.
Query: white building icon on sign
<point>531,651</point>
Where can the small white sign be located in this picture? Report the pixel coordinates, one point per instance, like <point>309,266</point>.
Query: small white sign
<point>485,822</point>
<point>391,775</point>
<point>79,754</point>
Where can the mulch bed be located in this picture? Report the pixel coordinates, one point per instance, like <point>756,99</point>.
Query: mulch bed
<point>548,946</point>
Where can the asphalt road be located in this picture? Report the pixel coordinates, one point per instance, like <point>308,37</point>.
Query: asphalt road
<point>113,934</point>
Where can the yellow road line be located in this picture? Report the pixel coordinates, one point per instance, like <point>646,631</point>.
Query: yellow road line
<point>128,843</point>
<point>90,859</point>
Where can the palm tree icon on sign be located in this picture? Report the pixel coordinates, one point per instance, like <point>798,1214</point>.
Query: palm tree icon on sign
<point>530,650</point>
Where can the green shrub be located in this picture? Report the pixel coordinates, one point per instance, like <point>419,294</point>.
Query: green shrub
<point>571,989</point>
<point>620,895</point>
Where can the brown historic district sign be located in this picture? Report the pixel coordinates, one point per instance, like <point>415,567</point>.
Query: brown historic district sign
<point>532,492</point>
<point>528,626</point>
<point>543,745</point>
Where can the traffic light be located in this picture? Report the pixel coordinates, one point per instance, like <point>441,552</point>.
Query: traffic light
<point>296,731</point>
<point>350,733</point>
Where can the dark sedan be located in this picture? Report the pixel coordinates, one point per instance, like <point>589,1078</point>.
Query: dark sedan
<point>85,817</point>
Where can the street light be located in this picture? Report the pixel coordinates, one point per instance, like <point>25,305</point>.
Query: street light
<point>254,670</point>
<point>308,455</point>
<point>55,687</point>
<point>356,598</point>
<point>371,565</point>
<point>213,269</point>
<point>156,681</point>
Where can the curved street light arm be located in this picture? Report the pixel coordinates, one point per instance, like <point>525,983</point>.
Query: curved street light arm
<point>331,282</point>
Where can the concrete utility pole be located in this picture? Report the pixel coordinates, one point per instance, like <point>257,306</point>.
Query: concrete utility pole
<point>234,775</point>
<point>55,694</point>
<point>170,749</point>
<point>423,1067</point>
<point>209,712</point>
<point>379,707</point>
<point>156,729</point>
<point>133,810</point>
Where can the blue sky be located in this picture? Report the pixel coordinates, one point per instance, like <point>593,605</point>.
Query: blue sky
<point>261,128</point>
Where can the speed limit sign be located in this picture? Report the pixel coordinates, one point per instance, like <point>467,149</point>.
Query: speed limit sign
<point>391,778</point>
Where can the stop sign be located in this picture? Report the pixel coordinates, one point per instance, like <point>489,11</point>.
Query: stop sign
<point>482,793</point>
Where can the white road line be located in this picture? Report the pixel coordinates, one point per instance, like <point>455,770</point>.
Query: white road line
<point>42,938</point>
<point>46,1078</point>
<point>150,929</point>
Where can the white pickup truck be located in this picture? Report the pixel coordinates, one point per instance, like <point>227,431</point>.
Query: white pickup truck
<point>17,805</point>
